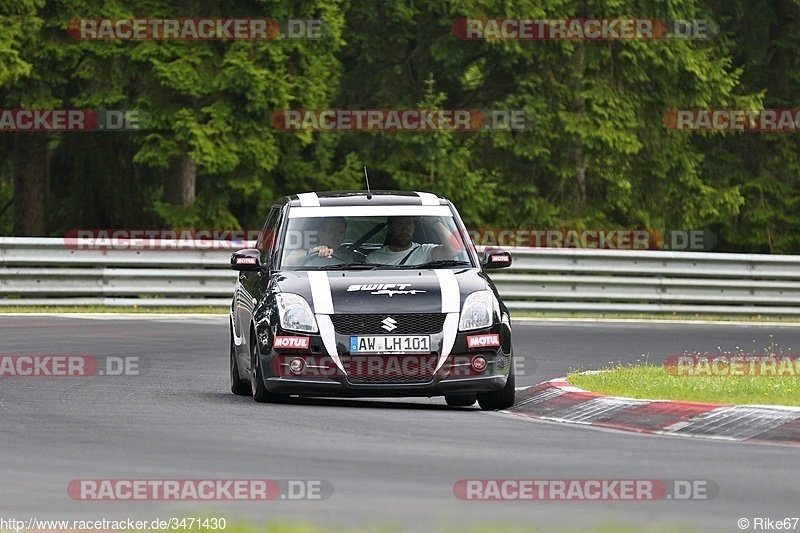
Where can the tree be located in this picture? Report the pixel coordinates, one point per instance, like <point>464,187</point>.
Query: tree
<point>764,165</point>
<point>18,44</point>
<point>599,154</point>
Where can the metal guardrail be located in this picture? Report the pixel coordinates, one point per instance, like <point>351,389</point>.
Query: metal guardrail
<point>39,271</point>
<point>45,271</point>
<point>612,281</point>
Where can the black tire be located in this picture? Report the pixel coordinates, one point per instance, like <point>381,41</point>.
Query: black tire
<point>257,387</point>
<point>459,400</point>
<point>502,399</point>
<point>238,387</point>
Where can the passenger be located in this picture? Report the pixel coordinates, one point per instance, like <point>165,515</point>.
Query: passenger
<point>402,250</point>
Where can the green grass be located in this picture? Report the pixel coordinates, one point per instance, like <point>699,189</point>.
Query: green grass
<point>654,383</point>
<point>145,309</point>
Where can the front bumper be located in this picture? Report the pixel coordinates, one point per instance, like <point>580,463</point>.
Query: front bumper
<point>388,375</point>
<point>348,390</point>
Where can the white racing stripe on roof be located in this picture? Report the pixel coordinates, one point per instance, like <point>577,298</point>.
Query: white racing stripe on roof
<point>308,199</point>
<point>428,198</point>
<point>371,211</point>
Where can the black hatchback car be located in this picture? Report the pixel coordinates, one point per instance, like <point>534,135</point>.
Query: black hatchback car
<point>369,294</point>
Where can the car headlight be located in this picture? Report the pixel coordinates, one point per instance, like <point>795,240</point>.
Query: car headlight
<point>477,311</point>
<point>295,313</point>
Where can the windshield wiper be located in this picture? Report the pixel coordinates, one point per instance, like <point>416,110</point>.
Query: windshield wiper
<point>354,266</point>
<point>442,263</point>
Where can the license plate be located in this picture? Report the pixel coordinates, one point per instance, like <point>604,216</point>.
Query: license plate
<point>391,344</point>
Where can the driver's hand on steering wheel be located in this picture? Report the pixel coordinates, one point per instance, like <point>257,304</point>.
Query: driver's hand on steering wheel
<point>320,251</point>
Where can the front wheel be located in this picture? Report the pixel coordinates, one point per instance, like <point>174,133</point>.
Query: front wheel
<point>238,387</point>
<point>502,399</point>
<point>259,390</point>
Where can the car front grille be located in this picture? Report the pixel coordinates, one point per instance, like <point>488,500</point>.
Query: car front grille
<point>406,324</point>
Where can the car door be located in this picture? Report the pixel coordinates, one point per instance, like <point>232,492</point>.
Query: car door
<point>247,292</point>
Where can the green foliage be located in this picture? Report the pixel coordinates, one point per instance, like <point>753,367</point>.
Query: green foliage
<point>19,23</point>
<point>598,154</point>
<point>439,162</point>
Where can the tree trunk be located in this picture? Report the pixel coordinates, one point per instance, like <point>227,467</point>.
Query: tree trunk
<point>782,60</point>
<point>181,185</point>
<point>579,106</point>
<point>30,184</point>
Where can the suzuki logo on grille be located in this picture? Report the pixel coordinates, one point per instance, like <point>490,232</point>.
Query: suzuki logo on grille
<point>389,323</point>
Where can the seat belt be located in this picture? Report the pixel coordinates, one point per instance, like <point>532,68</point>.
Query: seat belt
<point>403,262</point>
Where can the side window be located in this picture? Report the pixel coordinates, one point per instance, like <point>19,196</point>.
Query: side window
<point>266,239</point>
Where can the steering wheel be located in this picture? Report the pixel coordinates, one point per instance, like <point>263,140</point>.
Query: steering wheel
<point>309,258</point>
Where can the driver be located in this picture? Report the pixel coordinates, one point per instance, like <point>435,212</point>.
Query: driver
<point>331,233</point>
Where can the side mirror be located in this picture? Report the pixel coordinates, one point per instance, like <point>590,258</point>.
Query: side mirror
<point>248,259</point>
<point>496,258</point>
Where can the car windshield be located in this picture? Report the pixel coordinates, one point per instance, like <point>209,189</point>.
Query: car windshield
<point>403,241</point>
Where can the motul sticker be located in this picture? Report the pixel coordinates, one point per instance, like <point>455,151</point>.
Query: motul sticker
<point>245,260</point>
<point>500,259</point>
<point>482,341</point>
<point>291,342</point>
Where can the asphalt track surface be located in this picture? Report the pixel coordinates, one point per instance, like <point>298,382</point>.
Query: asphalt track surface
<point>390,462</point>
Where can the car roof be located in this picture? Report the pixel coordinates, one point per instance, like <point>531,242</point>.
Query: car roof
<point>363,198</point>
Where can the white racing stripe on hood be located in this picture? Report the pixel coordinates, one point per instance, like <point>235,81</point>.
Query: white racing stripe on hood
<point>451,294</point>
<point>451,304</point>
<point>320,292</point>
<point>308,199</point>
<point>323,308</point>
